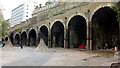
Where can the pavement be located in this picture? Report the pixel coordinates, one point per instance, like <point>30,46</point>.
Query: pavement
<point>56,57</point>
<point>0,57</point>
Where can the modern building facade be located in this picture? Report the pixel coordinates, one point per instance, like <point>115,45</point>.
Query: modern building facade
<point>22,12</point>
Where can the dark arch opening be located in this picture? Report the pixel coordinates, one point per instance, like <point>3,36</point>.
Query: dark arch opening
<point>105,28</point>
<point>11,37</point>
<point>17,39</point>
<point>3,39</point>
<point>44,34</point>
<point>24,38</point>
<point>6,38</point>
<point>32,38</point>
<point>57,34</point>
<point>77,31</point>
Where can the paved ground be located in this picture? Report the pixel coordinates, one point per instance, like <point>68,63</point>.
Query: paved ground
<point>0,57</point>
<point>56,57</point>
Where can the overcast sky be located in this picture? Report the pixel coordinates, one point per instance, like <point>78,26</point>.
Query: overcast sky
<point>9,5</point>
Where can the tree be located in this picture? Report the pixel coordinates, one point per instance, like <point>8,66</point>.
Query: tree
<point>4,26</point>
<point>116,8</point>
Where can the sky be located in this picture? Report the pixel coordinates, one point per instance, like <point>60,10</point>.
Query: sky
<point>8,5</point>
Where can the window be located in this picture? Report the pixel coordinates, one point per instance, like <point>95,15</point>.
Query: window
<point>26,15</point>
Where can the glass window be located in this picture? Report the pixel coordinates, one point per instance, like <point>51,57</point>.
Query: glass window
<point>26,15</point>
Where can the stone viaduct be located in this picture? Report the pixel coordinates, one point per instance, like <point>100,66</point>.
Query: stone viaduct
<point>69,25</point>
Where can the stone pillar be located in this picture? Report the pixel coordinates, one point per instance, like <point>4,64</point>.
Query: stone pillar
<point>20,39</point>
<point>90,29</point>
<point>66,38</point>
<point>89,36</point>
<point>54,41</point>
<point>66,34</point>
<point>37,38</point>
<point>49,39</point>
<point>27,39</point>
<point>49,36</point>
<point>87,40</point>
<point>14,41</point>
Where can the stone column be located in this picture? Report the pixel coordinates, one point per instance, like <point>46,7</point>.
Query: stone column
<point>66,34</point>
<point>27,39</point>
<point>37,38</point>
<point>66,38</point>
<point>87,37</point>
<point>20,40</point>
<point>49,36</point>
<point>14,41</point>
<point>90,29</point>
<point>49,39</point>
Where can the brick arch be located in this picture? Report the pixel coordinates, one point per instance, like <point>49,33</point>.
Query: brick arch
<point>79,14</point>
<point>31,29</point>
<point>6,38</point>
<point>32,36</point>
<point>57,34</point>
<point>17,33</point>
<point>23,31</point>
<point>100,6</point>
<point>77,31</point>
<point>23,38</point>
<point>43,33</point>
<point>74,16</point>
<point>60,20</point>
<point>44,25</point>
<point>106,28</point>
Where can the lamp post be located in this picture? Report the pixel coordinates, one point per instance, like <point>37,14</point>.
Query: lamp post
<point>89,30</point>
